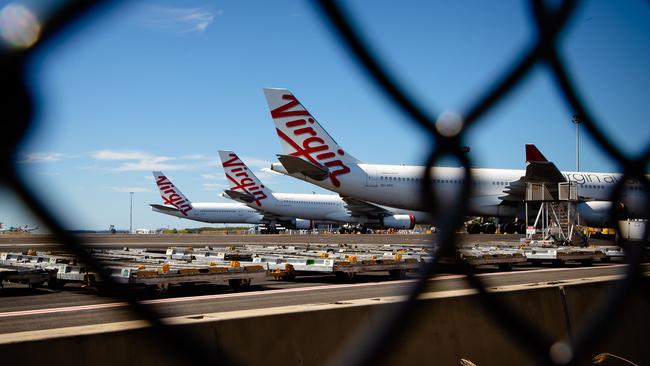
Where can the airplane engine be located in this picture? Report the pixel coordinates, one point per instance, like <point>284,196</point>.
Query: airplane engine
<point>301,224</point>
<point>596,213</point>
<point>398,222</point>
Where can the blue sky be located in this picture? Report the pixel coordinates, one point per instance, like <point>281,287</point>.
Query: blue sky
<point>165,84</point>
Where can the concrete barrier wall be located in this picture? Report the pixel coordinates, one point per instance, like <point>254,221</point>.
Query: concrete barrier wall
<point>452,325</point>
<point>625,334</point>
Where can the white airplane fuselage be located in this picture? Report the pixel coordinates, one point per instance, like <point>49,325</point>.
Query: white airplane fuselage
<point>324,207</point>
<point>217,213</point>
<point>311,154</point>
<point>399,186</point>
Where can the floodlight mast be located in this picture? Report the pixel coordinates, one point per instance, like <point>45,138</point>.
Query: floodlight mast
<point>131,215</point>
<point>576,121</point>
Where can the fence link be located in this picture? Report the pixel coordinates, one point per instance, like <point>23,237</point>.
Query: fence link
<point>379,337</point>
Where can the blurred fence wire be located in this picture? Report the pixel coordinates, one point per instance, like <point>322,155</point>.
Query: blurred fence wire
<point>378,338</point>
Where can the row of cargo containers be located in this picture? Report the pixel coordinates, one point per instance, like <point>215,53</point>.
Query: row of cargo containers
<point>189,265</point>
<point>139,267</point>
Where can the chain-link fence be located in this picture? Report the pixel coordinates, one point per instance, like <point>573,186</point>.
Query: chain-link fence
<point>374,341</point>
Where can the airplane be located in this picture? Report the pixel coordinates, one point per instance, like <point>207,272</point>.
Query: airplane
<point>26,228</point>
<point>176,204</point>
<point>311,154</point>
<point>19,229</point>
<point>245,187</point>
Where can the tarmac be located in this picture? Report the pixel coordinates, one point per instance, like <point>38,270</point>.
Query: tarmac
<point>25,309</point>
<point>43,242</point>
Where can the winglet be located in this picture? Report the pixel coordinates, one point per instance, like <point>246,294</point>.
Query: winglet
<point>533,154</point>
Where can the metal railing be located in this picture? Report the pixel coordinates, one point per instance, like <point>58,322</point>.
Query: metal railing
<point>375,340</point>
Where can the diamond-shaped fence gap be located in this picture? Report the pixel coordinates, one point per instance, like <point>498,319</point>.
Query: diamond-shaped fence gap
<point>618,95</point>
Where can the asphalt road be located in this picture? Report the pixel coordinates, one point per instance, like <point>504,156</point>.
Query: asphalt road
<point>25,309</point>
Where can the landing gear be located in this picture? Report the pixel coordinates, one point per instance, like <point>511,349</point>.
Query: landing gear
<point>489,228</point>
<point>521,228</point>
<point>474,229</point>
<point>512,228</point>
<point>508,228</point>
<point>355,230</point>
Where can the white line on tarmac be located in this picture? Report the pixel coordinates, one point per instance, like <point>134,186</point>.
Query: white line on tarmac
<point>266,292</point>
<point>63,309</point>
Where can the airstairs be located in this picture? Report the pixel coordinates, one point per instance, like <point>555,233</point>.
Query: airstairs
<point>556,218</point>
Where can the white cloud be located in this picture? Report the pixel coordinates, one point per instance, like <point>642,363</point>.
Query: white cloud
<point>180,19</point>
<point>119,155</point>
<point>143,161</point>
<point>42,157</point>
<point>129,189</point>
<point>197,157</point>
<point>150,165</point>
<point>136,160</point>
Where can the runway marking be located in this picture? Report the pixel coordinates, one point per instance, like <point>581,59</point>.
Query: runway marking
<point>268,292</point>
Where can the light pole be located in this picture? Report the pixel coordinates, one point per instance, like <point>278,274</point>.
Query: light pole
<point>131,215</point>
<point>576,121</point>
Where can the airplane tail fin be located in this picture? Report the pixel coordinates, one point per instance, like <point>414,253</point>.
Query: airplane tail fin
<point>540,169</point>
<point>534,155</point>
<point>244,185</point>
<point>303,137</point>
<point>171,195</point>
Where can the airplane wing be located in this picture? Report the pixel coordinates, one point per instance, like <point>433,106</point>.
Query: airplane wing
<point>28,229</point>
<point>358,207</point>
<point>515,191</point>
<point>273,218</point>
